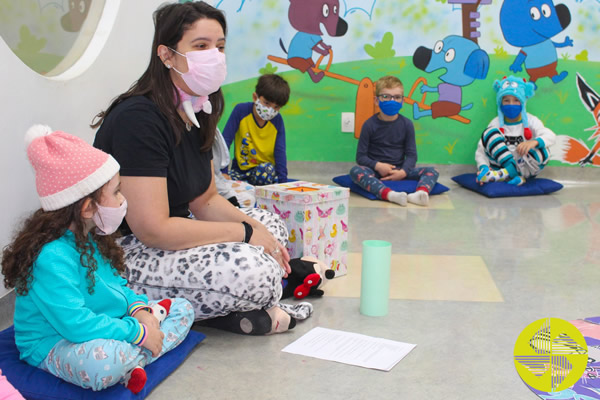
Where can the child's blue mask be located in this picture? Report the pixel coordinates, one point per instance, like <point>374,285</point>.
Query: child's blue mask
<point>390,107</point>
<point>511,111</point>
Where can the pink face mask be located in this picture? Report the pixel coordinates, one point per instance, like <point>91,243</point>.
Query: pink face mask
<point>108,219</point>
<point>207,70</point>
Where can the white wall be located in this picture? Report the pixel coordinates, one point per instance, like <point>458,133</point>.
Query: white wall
<point>27,98</point>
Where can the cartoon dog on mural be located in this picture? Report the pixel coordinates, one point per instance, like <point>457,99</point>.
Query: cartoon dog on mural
<point>574,151</point>
<point>463,61</point>
<point>306,16</point>
<point>531,25</point>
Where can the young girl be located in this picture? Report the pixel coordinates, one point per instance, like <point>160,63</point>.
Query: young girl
<point>74,315</point>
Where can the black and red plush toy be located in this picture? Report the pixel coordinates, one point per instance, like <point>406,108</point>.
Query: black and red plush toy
<point>307,278</point>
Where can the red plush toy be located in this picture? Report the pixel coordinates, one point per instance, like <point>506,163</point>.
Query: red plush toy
<point>161,309</point>
<point>307,278</point>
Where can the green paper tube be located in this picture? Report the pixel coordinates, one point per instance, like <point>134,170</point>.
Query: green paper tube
<point>375,278</point>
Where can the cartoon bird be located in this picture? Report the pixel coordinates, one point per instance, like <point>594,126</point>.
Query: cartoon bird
<point>575,151</point>
<point>307,215</point>
<point>292,237</point>
<point>333,232</point>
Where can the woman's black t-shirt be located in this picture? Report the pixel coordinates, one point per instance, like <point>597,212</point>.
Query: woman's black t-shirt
<point>141,139</point>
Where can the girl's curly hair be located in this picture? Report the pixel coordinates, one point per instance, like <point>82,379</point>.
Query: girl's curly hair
<point>46,226</point>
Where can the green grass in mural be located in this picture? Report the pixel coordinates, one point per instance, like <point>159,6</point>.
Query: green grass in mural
<point>313,115</point>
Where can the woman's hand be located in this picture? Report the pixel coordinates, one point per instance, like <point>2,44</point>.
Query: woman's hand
<point>154,340</point>
<point>147,318</point>
<point>262,237</point>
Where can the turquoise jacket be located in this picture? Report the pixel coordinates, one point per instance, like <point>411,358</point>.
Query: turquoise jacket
<point>59,306</point>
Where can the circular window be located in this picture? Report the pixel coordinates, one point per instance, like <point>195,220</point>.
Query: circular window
<point>50,36</point>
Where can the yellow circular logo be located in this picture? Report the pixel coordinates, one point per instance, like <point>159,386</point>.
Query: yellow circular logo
<point>550,354</point>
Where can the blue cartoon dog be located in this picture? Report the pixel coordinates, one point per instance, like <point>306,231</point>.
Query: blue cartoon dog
<point>306,16</point>
<point>530,25</point>
<point>463,61</point>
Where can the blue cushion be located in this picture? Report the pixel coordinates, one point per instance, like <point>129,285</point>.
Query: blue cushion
<point>34,383</point>
<point>398,186</point>
<point>532,187</point>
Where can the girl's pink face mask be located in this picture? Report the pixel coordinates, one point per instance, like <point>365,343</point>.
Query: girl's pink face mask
<point>207,70</point>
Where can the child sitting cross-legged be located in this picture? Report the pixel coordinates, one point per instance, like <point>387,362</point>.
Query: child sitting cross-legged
<point>387,150</point>
<point>258,134</point>
<point>74,315</point>
<point>515,144</point>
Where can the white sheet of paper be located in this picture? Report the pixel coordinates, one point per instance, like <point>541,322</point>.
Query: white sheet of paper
<point>350,348</point>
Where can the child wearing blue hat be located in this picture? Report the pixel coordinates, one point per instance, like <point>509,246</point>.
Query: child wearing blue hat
<point>515,144</point>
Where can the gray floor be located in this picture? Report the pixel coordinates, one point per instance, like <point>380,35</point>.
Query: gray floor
<point>542,254</point>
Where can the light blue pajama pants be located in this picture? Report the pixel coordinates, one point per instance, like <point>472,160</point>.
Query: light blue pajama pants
<point>101,363</point>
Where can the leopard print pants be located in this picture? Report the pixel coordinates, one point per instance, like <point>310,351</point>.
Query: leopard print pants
<point>218,278</point>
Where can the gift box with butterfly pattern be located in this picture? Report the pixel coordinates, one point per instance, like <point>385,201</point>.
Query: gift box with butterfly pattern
<point>316,216</point>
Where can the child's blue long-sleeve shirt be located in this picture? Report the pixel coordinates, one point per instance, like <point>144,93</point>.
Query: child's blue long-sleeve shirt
<point>390,142</point>
<point>59,306</point>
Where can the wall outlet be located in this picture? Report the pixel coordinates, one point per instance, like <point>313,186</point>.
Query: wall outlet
<point>347,122</point>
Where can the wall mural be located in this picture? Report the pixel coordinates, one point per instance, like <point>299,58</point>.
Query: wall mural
<point>574,151</point>
<point>448,53</point>
<point>43,32</point>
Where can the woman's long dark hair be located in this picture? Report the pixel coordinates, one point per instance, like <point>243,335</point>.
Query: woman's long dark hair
<point>43,227</point>
<point>170,23</point>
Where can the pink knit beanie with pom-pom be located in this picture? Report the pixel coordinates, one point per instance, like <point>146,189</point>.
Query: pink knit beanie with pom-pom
<point>66,167</point>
